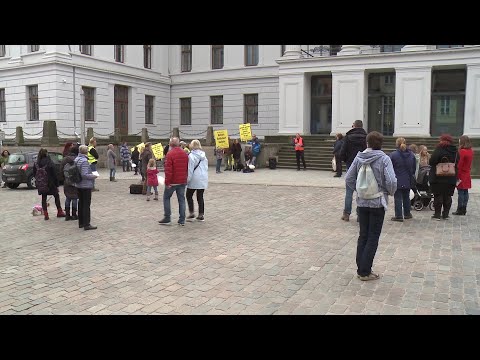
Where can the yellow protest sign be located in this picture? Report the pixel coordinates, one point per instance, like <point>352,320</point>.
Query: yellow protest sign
<point>140,147</point>
<point>157,150</point>
<point>221,139</point>
<point>245,132</point>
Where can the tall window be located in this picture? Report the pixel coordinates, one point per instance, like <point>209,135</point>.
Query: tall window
<point>149,109</point>
<point>335,49</point>
<point>33,102</point>
<point>89,100</point>
<point>3,112</point>
<point>120,53</point>
<point>251,55</point>
<point>186,111</point>
<point>147,56</point>
<point>34,48</point>
<point>217,56</point>
<point>250,114</point>
<point>2,50</point>
<point>186,58</point>
<point>86,49</point>
<point>216,105</point>
<point>391,48</point>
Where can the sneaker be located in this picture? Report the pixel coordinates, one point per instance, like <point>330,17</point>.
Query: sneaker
<point>436,217</point>
<point>445,217</point>
<point>371,276</point>
<point>165,221</point>
<point>397,219</point>
<point>407,217</point>
<point>191,217</point>
<point>337,175</point>
<point>346,217</point>
<point>200,218</point>
<point>181,223</point>
<point>148,199</point>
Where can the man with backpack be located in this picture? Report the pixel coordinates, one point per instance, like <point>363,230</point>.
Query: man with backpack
<point>354,142</point>
<point>70,152</point>
<point>84,188</point>
<point>372,175</point>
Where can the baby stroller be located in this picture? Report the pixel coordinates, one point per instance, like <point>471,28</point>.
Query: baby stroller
<point>423,196</point>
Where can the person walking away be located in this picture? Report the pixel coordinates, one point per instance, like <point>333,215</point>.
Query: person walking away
<point>126,156</point>
<point>443,187</point>
<point>414,149</point>
<point>403,162</point>
<point>93,157</point>
<point>47,182</point>
<point>237,153</point>
<point>3,162</point>
<point>337,146</point>
<point>152,179</point>
<point>135,159</point>
<point>197,180</point>
<point>354,142</point>
<point>84,188</point>
<point>218,152</point>
<point>111,161</point>
<point>176,173</point>
<point>69,189</point>
<point>372,205</point>
<point>299,151</point>
<point>464,178</point>
<point>145,157</point>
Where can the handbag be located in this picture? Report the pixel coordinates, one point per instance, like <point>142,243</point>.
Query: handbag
<point>334,164</point>
<point>446,168</point>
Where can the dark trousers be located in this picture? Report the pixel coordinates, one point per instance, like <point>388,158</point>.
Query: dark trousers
<point>44,201</point>
<point>338,163</point>
<point>402,201</point>
<point>201,204</point>
<point>126,165</point>
<point>442,200</point>
<point>136,167</point>
<point>300,155</point>
<point>84,201</point>
<point>371,223</point>
<point>462,197</point>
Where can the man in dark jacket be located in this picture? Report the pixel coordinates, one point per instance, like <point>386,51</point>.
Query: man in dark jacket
<point>176,174</point>
<point>355,141</point>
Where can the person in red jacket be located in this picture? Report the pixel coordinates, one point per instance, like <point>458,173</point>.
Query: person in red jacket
<point>299,151</point>
<point>176,173</point>
<point>464,179</point>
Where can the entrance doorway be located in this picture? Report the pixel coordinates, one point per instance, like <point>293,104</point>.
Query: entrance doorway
<point>381,103</point>
<point>321,105</point>
<point>121,109</point>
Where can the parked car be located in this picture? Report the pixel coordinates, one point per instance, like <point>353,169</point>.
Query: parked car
<point>19,168</point>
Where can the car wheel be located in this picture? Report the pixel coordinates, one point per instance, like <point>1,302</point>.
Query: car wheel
<point>12,185</point>
<point>31,183</point>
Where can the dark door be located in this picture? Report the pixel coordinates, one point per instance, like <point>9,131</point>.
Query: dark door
<point>381,103</point>
<point>321,105</point>
<point>121,109</point>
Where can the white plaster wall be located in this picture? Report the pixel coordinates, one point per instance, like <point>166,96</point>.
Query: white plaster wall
<point>292,110</point>
<point>472,101</point>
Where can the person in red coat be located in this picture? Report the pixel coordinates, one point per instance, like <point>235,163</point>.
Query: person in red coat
<point>176,173</point>
<point>464,179</point>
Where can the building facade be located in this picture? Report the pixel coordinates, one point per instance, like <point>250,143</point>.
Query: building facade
<point>399,90</point>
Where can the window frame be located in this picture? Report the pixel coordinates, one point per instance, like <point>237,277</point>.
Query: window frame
<point>184,110</point>
<point>33,105</point>
<point>122,53</point>
<point>85,49</point>
<point>3,106</point>
<point>216,51</point>
<point>147,56</point>
<point>214,110</point>
<point>87,102</point>
<point>3,51</point>
<point>246,107</point>
<point>33,48</point>
<point>251,55</point>
<point>186,67</point>
<point>149,109</point>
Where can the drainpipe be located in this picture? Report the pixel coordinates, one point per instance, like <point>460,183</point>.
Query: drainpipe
<point>74,100</point>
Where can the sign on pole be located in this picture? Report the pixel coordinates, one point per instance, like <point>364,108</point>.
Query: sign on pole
<point>221,139</point>
<point>245,132</point>
<point>157,150</point>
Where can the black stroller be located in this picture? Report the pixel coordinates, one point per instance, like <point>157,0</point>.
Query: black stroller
<point>423,196</point>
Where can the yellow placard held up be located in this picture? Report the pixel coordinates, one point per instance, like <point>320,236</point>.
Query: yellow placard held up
<point>157,150</point>
<point>140,148</point>
<point>245,132</point>
<point>221,139</point>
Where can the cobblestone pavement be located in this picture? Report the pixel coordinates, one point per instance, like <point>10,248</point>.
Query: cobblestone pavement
<point>262,250</point>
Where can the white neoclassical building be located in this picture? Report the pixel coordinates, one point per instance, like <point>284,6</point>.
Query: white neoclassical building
<point>410,90</point>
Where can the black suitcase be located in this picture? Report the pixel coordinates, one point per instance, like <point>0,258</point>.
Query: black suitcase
<point>272,163</point>
<point>136,189</point>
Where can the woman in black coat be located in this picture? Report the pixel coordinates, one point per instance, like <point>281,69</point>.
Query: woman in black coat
<point>337,146</point>
<point>43,161</point>
<point>69,190</point>
<point>135,159</point>
<point>443,187</point>
<point>236,150</point>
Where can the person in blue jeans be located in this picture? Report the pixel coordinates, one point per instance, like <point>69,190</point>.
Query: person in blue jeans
<point>371,212</point>
<point>219,155</point>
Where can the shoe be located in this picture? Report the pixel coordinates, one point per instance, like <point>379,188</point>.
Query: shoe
<point>95,189</point>
<point>407,217</point>
<point>80,226</point>
<point>60,213</point>
<point>200,218</point>
<point>191,217</point>
<point>445,217</point>
<point>45,215</point>
<point>89,227</point>
<point>68,218</point>
<point>156,197</point>
<point>165,221</point>
<point>74,214</point>
<point>337,175</point>
<point>181,223</point>
<point>148,198</point>
<point>346,217</point>
<point>436,217</point>
<point>369,277</point>
<point>397,219</point>
<point>67,214</point>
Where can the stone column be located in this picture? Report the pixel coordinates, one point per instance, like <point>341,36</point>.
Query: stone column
<point>349,50</point>
<point>472,99</point>
<point>15,54</point>
<point>294,104</point>
<point>293,51</point>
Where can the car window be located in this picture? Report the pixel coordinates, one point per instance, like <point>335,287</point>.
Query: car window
<point>56,157</point>
<point>15,159</point>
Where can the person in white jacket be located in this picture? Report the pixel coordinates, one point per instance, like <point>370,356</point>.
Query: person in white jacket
<point>197,179</point>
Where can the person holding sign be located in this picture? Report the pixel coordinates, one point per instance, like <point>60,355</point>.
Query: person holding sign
<point>299,151</point>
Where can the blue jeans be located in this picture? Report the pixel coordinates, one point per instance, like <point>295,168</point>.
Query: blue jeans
<point>126,165</point>
<point>149,188</point>
<point>462,197</point>
<point>167,194</point>
<point>402,197</point>
<point>72,201</point>
<point>219,165</point>
<point>371,223</point>
<point>348,201</point>
<point>93,167</point>
<point>112,172</point>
